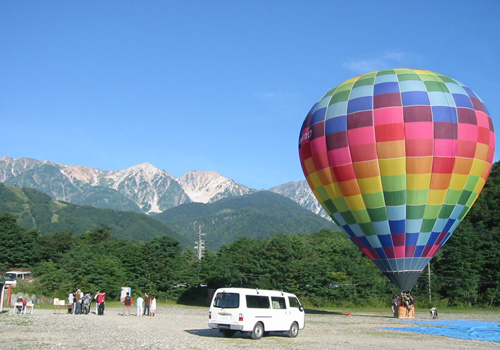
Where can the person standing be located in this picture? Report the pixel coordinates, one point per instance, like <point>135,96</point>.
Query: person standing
<point>96,296</point>
<point>78,302</point>
<point>153,306</point>
<point>71,300</point>
<point>147,304</point>
<point>87,299</point>
<point>395,303</point>
<point>140,303</point>
<point>127,303</point>
<point>101,300</point>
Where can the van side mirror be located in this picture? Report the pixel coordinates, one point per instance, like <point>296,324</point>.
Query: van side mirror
<point>301,307</point>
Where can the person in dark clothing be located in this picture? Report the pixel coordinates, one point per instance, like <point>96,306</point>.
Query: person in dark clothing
<point>147,304</point>
<point>87,300</point>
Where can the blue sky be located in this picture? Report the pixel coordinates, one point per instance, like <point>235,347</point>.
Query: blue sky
<point>214,85</point>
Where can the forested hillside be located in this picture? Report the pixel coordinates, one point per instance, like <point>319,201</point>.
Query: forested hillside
<point>256,215</point>
<point>36,211</point>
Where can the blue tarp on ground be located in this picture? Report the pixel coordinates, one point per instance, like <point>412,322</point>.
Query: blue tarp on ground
<point>462,329</point>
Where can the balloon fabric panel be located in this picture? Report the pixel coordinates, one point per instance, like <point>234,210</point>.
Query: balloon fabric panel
<point>397,158</point>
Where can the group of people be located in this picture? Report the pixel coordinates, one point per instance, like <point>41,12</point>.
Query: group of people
<point>80,302</point>
<point>405,301</point>
<point>144,306</point>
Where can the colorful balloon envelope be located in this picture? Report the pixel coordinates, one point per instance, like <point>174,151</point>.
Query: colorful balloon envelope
<point>397,158</point>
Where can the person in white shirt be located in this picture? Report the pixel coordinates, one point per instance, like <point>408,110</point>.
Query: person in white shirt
<point>140,302</point>
<point>153,306</point>
<point>71,300</point>
<point>96,303</point>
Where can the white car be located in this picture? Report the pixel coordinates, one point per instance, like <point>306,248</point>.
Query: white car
<point>255,311</point>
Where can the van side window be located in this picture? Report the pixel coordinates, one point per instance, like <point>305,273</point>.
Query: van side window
<point>257,302</point>
<point>227,300</point>
<point>278,302</point>
<point>293,302</point>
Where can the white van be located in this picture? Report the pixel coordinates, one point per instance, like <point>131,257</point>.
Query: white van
<point>255,311</point>
<point>11,277</point>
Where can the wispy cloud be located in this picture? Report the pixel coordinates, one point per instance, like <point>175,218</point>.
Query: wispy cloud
<point>389,59</point>
<point>279,100</point>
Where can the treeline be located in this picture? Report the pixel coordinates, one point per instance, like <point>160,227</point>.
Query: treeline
<point>319,267</point>
<point>324,268</point>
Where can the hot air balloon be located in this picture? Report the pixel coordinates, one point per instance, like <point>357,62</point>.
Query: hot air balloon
<point>397,158</point>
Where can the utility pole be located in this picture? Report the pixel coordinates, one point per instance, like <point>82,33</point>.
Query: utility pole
<point>200,244</point>
<point>429,272</point>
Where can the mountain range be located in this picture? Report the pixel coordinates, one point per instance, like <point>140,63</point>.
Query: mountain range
<point>256,215</point>
<point>142,188</point>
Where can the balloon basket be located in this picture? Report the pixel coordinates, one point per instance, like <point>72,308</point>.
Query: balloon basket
<point>403,312</point>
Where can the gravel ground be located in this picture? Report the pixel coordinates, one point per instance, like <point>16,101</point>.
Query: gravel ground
<point>182,327</point>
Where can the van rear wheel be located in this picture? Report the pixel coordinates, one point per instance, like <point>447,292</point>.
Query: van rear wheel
<point>258,331</point>
<point>294,330</point>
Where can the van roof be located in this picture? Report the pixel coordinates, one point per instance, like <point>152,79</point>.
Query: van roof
<point>19,272</point>
<point>253,291</point>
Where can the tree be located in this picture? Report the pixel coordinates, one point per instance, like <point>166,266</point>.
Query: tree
<point>54,281</point>
<point>162,263</point>
<point>17,248</point>
<point>53,247</point>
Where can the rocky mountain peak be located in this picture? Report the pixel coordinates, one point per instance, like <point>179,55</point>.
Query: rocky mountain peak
<point>209,186</point>
<point>145,170</point>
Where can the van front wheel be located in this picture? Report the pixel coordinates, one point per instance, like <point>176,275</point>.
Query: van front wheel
<point>258,331</point>
<point>294,330</point>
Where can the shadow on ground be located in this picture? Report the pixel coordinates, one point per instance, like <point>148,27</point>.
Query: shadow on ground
<point>214,333</point>
<point>337,313</point>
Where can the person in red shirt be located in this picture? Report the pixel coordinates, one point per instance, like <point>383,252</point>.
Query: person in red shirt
<point>127,303</point>
<point>21,307</point>
<point>101,300</point>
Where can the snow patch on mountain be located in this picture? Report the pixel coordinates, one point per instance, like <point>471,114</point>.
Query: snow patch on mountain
<point>83,174</point>
<point>209,186</point>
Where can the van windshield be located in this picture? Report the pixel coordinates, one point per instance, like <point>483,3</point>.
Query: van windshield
<point>10,276</point>
<point>227,300</point>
